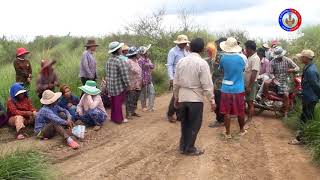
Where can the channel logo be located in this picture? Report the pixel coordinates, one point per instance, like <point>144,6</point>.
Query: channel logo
<point>290,20</point>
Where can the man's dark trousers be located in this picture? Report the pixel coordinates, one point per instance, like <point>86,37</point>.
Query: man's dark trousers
<point>191,114</point>
<point>172,110</point>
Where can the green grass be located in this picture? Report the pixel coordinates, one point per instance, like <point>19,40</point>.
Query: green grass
<point>24,165</point>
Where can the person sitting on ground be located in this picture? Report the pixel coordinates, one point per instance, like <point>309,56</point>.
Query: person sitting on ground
<point>20,110</point>
<point>310,91</point>
<point>90,109</point>
<point>233,65</point>
<point>47,79</point>
<point>53,119</point>
<point>68,101</point>
<point>147,92</point>
<point>251,76</point>
<point>22,67</point>
<point>264,70</point>
<point>3,115</point>
<point>279,69</point>
<point>135,83</point>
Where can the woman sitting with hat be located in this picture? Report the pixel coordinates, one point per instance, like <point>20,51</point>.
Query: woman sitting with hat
<point>68,101</point>
<point>135,83</point>
<point>49,120</point>
<point>47,79</point>
<point>91,110</point>
<point>20,109</point>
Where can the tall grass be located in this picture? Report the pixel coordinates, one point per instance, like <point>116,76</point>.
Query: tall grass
<point>24,165</point>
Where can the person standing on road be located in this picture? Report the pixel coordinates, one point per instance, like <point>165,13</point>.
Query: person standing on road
<point>233,65</point>
<point>117,79</point>
<point>192,81</point>
<point>310,90</point>
<point>23,68</point>
<point>251,76</point>
<point>217,77</point>
<point>175,54</point>
<point>88,69</point>
<point>147,92</point>
<point>135,83</point>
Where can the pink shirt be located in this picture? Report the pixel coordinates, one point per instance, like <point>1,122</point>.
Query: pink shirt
<point>135,75</point>
<point>88,102</point>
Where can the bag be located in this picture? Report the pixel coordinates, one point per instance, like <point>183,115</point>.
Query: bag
<point>79,131</point>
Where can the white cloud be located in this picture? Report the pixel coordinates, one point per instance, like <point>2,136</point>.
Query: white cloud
<point>100,17</point>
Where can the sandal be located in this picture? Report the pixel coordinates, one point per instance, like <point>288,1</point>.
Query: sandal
<point>136,115</point>
<point>72,143</point>
<point>20,137</point>
<point>227,136</point>
<point>295,142</point>
<point>96,128</point>
<point>195,153</point>
<point>243,133</point>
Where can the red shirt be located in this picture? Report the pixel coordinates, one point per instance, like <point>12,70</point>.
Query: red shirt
<point>19,107</point>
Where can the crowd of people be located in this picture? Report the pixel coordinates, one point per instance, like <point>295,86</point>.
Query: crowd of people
<point>227,78</point>
<point>128,79</point>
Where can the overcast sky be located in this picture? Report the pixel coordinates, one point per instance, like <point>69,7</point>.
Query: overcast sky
<point>29,18</point>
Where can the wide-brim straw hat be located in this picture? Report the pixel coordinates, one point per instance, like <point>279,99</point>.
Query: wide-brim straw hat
<point>90,43</point>
<point>182,39</point>
<point>278,52</point>
<point>90,88</point>
<point>266,46</point>
<point>49,97</point>
<point>144,49</point>
<point>113,46</point>
<point>230,45</point>
<point>306,53</point>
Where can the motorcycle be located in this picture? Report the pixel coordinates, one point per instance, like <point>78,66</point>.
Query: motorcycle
<point>275,101</point>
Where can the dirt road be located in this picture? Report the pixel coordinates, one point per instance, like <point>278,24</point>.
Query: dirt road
<point>146,148</point>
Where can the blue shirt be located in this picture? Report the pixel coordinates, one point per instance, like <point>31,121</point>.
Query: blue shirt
<point>123,58</point>
<point>174,56</point>
<point>310,83</point>
<point>233,66</point>
<point>63,102</point>
<point>49,114</point>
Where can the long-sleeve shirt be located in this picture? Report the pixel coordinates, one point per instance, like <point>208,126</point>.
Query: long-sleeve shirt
<point>49,114</point>
<point>279,68</point>
<point>146,66</point>
<point>44,81</point>
<point>135,75</point>
<point>88,65</point>
<point>63,102</point>
<point>193,80</point>
<point>265,67</point>
<point>116,76</point>
<point>23,70</point>
<point>310,83</point>
<point>19,107</point>
<point>88,102</point>
<point>174,56</point>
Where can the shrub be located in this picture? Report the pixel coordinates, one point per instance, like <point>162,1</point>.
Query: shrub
<point>24,165</point>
